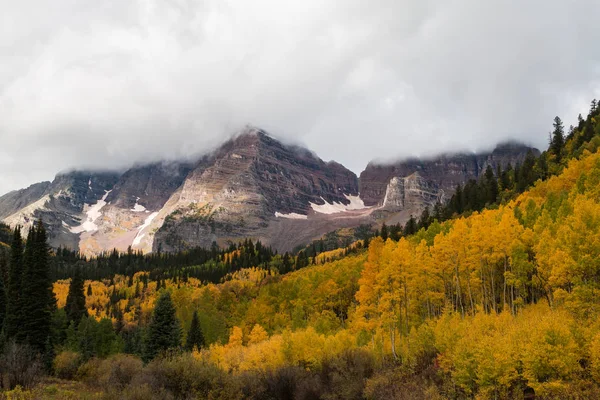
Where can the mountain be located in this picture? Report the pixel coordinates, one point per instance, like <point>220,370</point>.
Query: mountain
<point>252,186</point>
<point>441,173</point>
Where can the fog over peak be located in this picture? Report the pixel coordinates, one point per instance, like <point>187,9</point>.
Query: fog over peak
<point>109,84</point>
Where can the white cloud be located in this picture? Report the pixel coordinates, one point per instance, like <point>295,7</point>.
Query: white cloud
<point>101,84</point>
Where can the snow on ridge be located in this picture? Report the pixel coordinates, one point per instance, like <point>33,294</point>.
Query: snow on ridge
<point>290,215</point>
<point>138,207</point>
<point>92,214</point>
<point>140,234</point>
<point>356,203</point>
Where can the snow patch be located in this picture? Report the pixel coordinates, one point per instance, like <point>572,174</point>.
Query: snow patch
<point>356,203</point>
<point>92,214</point>
<point>90,184</point>
<point>290,215</point>
<point>138,207</point>
<point>234,155</point>
<point>140,234</point>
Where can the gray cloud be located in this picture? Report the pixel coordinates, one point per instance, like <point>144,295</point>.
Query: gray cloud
<point>106,84</point>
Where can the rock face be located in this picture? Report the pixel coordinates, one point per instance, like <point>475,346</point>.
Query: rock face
<point>237,191</point>
<point>445,171</point>
<point>58,203</point>
<point>252,186</point>
<point>412,192</point>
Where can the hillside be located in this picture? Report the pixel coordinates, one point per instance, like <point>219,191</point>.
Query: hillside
<point>495,299</point>
<point>497,304</point>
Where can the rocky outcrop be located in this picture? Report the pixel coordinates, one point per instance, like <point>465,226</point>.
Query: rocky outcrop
<point>14,201</point>
<point>252,186</point>
<point>237,191</point>
<point>412,192</point>
<point>148,186</point>
<point>445,171</point>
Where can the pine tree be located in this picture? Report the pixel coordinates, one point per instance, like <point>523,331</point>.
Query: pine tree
<point>12,321</point>
<point>89,290</point>
<point>411,226</point>
<point>491,185</point>
<point>425,219</point>
<point>38,298</point>
<point>557,142</point>
<point>75,306</point>
<point>164,331</point>
<point>195,337</point>
<point>384,232</point>
<point>2,291</point>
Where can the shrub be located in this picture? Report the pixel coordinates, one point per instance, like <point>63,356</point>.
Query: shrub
<point>88,371</point>
<point>113,373</point>
<point>183,376</point>
<point>19,366</point>
<point>66,364</point>
<point>118,371</point>
<point>345,375</point>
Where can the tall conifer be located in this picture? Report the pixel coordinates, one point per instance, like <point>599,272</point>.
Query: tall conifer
<point>38,298</point>
<point>195,337</point>
<point>12,320</point>
<point>164,331</point>
<point>75,306</point>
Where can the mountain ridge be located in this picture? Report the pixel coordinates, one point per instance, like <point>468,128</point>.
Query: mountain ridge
<point>253,185</point>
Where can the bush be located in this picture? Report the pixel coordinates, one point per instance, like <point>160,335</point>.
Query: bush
<point>19,366</point>
<point>396,384</point>
<point>66,364</point>
<point>344,376</point>
<point>113,373</point>
<point>118,371</point>
<point>88,371</point>
<point>183,376</point>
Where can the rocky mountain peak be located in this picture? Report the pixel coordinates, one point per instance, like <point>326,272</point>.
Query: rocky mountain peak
<point>446,170</point>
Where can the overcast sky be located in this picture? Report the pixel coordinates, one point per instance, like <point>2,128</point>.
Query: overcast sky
<point>108,83</point>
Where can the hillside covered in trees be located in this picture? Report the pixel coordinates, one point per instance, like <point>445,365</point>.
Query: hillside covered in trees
<point>495,297</point>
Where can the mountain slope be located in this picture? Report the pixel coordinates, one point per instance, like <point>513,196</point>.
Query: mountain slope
<point>445,171</point>
<point>252,186</point>
<point>246,186</point>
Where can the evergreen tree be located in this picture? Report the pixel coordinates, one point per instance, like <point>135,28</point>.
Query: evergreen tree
<point>411,226</point>
<point>425,219</point>
<point>557,142</point>
<point>384,232</point>
<point>164,332</point>
<point>2,292</point>
<point>38,298</point>
<point>14,312</point>
<point>195,337</point>
<point>75,306</point>
<point>505,178</point>
<point>491,185</point>
<point>89,290</point>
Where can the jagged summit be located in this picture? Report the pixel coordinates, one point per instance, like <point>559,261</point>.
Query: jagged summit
<point>253,185</point>
<point>445,170</point>
<point>241,189</point>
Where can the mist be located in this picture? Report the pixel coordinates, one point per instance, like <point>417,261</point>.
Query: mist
<point>104,85</point>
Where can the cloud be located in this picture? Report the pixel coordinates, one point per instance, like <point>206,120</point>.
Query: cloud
<point>106,84</point>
